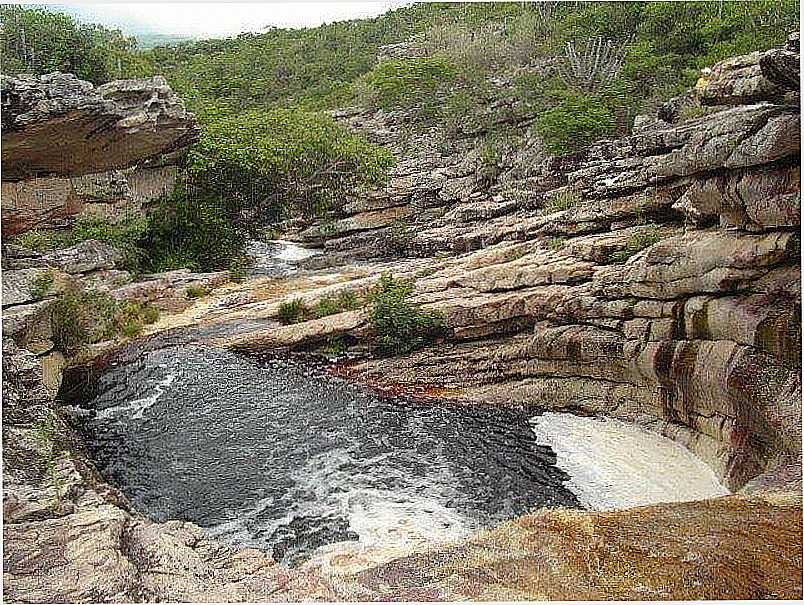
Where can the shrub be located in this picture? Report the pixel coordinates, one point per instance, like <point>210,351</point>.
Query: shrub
<point>556,243</point>
<point>42,284</point>
<point>125,235</point>
<point>563,200</point>
<point>193,231</point>
<point>38,40</point>
<point>42,241</point>
<point>348,300</point>
<point>488,163</point>
<point>399,325</point>
<point>636,243</point>
<point>131,328</point>
<point>327,305</point>
<point>398,238</point>
<point>330,305</point>
<point>150,314</point>
<point>410,82</point>
<point>576,122</point>
<point>196,291</point>
<point>79,318</point>
<point>476,49</point>
<point>293,311</point>
<point>238,270</point>
<point>335,346</point>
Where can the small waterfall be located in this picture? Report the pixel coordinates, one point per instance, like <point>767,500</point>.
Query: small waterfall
<point>276,258</point>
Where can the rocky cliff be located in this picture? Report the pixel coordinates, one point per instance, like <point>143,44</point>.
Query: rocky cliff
<point>61,134</point>
<point>655,278</point>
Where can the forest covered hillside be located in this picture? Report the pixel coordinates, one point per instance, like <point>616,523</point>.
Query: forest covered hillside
<point>270,149</point>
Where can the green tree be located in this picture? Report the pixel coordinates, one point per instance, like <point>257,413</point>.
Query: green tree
<point>282,162</point>
<point>37,40</point>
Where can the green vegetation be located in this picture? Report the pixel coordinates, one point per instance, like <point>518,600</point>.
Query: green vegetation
<point>268,152</point>
<point>330,305</point>
<point>336,345</point>
<point>399,325</point>
<point>293,312</point>
<point>576,121</point>
<point>556,243</point>
<point>196,291</point>
<point>36,40</point>
<point>282,162</point>
<point>194,230</point>
<point>296,310</point>
<point>125,235</point>
<point>637,242</point>
<point>419,82</point>
<point>42,284</point>
<point>238,269</point>
<point>563,200</point>
<point>44,432</point>
<point>82,317</point>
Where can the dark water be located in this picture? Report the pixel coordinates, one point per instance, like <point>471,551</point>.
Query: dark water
<point>279,455</point>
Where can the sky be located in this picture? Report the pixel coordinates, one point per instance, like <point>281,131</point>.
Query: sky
<point>220,19</point>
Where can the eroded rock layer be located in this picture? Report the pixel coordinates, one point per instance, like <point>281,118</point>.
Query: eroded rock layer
<point>58,129</point>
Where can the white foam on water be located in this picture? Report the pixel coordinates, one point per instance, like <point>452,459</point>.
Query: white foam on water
<point>389,523</point>
<point>139,406</point>
<point>615,465</point>
<point>291,251</point>
<point>382,517</point>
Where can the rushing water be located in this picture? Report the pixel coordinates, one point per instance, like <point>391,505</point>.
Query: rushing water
<point>283,456</point>
<point>615,465</point>
<point>276,258</point>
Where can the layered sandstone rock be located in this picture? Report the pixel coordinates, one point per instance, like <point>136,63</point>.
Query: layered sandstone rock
<point>665,290</point>
<point>59,125</point>
<point>56,129</point>
<point>654,278</point>
<point>55,202</point>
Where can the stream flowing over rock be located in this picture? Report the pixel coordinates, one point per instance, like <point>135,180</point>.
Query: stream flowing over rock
<point>650,282</point>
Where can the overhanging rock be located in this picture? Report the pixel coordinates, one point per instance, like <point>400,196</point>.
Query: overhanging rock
<point>59,125</point>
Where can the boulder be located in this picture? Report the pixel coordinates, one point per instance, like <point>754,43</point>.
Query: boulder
<point>86,256</point>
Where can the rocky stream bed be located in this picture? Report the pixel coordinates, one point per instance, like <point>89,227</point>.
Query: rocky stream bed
<point>658,315</point>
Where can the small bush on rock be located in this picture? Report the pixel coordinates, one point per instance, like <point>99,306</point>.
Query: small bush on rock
<point>563,200</point>
<point>196,291</point>
<point>574,123</point>
<point>42,285</point>
<point>399,325</point>
<point>293,312</point>
<point>81,317</point>
<point>636,243</point>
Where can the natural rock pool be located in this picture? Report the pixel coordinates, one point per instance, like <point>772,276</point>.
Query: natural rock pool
<point>280,455</point>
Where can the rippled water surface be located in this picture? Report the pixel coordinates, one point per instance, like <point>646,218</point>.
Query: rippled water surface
<point>280,455</point>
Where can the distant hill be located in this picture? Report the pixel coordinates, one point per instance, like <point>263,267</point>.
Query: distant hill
<point>150,40</point>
